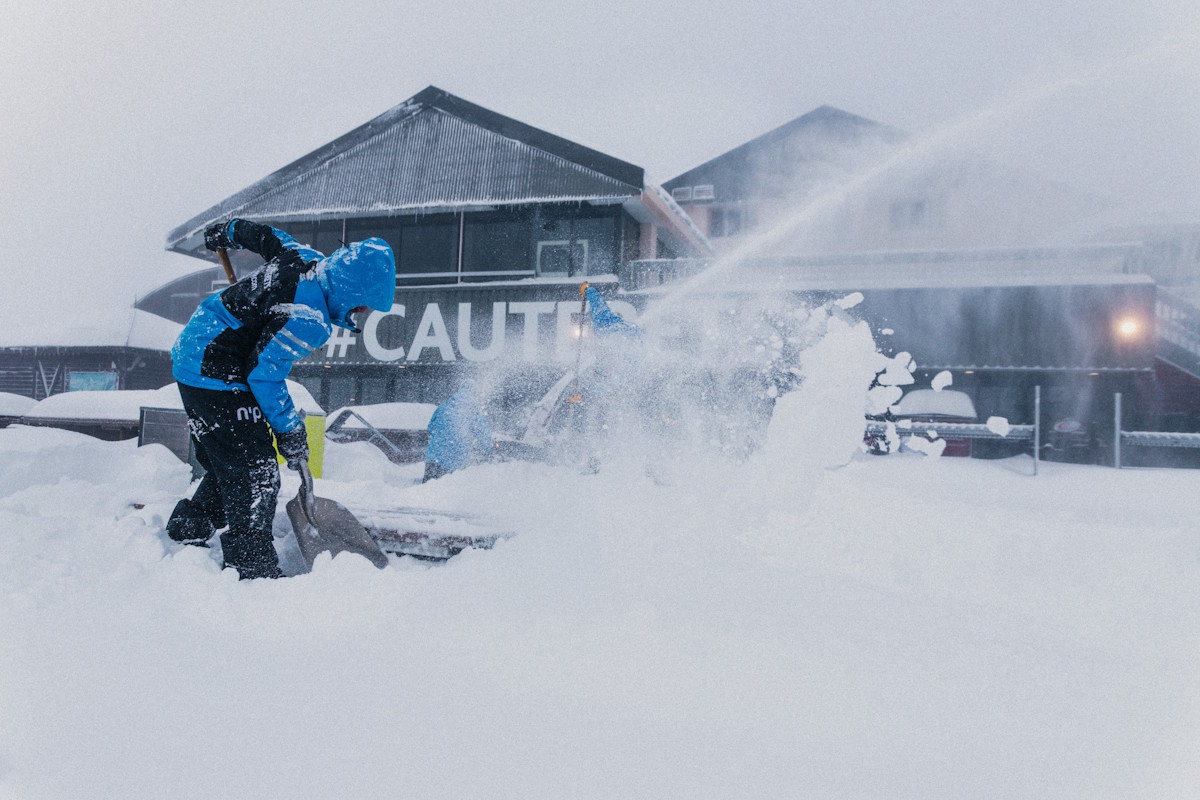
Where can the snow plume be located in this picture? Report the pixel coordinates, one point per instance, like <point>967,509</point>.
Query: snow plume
<point>753,397</point>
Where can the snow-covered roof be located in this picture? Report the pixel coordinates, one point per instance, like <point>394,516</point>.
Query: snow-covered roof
<point>152,332</point>
<point>126,405</point>
<point>433,151</point>
<point>116,405</point>
<point>118,327</point>
<point>768,164</point>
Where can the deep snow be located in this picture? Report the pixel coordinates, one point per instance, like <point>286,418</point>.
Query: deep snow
<point>813,622</point>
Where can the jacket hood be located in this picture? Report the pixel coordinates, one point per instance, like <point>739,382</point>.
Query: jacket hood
<point>359,274</point>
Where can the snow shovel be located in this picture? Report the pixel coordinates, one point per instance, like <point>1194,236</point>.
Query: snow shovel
<point>322,525</point>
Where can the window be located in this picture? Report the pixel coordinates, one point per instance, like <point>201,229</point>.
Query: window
<point>724,222</point>
<point>91,381</point>
<point>328,236</point>
<point>703,192</point>
<point>301,231</point>
<point>386,228</point>
<point>682,194</point>
<point>341,393</point>
<point>497,242</point>
<point>428,244</point>
<point>593,232</point>
<point>374,390</point>
<point>562,257</point>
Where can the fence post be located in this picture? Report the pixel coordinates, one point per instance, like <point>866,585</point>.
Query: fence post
<point>1037,426</point>
<point>1117,430</point>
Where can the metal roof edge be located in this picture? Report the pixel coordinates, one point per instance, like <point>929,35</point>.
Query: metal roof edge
<point>430,97</point>
<point>818,115</point>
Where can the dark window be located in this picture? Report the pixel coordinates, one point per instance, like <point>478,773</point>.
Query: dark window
<point>374,390</point>
<point>724,222</point>
<point>301,231</point>
<point>386,228</point>
<point>428,244</point>
<point>497,242</point>
<point>341,393</point>
<point>562,257</point>
<point>576,241</point>
<point>328,236</point>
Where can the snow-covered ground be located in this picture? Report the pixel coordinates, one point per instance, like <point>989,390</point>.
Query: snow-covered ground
<point>813,622</point>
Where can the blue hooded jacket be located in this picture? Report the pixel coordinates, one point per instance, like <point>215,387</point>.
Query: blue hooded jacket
<point>247,337</point>
<point>618,349</point>
<point>458,426</point>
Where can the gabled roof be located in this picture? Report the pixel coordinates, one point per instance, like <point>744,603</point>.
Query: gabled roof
<point>791,154</point>
<point>432,152</point>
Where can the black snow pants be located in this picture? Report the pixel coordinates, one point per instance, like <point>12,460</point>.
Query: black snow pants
<point>235,446</point>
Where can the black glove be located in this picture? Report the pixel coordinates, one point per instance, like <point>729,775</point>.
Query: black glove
<point>217,235</point>
<point>293,446</point>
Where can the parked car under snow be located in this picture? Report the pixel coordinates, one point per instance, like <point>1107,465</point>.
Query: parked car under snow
<point>929,407</point>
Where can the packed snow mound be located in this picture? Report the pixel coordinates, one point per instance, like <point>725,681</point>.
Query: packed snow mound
<point>14,405</point>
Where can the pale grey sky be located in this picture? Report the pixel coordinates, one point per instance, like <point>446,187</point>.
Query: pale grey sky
<point>124,119</point>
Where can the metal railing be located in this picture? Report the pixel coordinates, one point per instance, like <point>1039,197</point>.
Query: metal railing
<point>1177,324</point>
<point>1123,438</point>
<point>956,430</point>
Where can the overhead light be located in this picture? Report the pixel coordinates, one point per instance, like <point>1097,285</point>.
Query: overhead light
<point>1129,327</point>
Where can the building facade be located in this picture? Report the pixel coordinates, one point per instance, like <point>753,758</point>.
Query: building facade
<point>494,225</point>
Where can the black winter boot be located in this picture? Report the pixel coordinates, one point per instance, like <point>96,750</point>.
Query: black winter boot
<point>251,554</point>
<point>189,525</point>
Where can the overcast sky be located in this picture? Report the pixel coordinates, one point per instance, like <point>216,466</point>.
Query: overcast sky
<point>124,119</point>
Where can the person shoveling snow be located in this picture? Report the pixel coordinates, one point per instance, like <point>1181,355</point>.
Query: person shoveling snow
<point>230,362</point>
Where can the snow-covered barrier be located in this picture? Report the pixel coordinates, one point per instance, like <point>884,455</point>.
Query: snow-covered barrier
<point>961,430</point>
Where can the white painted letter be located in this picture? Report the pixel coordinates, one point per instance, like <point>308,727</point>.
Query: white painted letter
<point>495,346</point>
<point>531,311</point>
<point>432,333</point>
<point>371,336</point>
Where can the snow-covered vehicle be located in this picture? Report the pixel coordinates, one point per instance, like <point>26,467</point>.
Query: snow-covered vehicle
<point>929,407</point>
<point>13,407</point>
<point>398,429</point>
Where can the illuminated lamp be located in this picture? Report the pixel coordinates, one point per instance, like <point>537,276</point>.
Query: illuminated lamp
<point>1129,328</point>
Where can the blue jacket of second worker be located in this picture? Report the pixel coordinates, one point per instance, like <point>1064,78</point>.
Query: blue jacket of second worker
<point>247,337</point>
<point>457,428</point>
<point>618,348</point>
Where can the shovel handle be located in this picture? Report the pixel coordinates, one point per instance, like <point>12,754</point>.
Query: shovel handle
<point>224,256</point>
<point>306,493</point>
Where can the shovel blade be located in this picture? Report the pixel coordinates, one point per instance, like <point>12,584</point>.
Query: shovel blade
<point>333,529</point>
